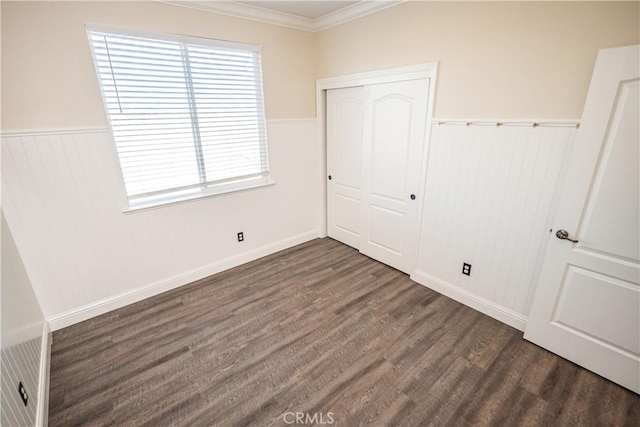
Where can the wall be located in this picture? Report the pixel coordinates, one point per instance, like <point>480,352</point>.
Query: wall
<point>496,59</point>
<point>489,191</point>
<point>62,191</point>
<point>489,194</point>
<point>62,196</point>
<point>48,79</point>
<point>23,335</point>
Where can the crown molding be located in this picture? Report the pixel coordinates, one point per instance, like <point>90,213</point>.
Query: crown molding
<point>355,11</point>
<point>260,14</point>
<point>246,11</point>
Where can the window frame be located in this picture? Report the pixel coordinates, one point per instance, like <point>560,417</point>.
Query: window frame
<point>204,190</point>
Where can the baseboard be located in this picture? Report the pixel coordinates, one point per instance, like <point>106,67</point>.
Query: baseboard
<point>476,302</point>
<point>118,301</point>
<point>42,411</point>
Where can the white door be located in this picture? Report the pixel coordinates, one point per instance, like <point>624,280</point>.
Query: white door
<point>395,120</point>
<point>344,164</point>
<point>587,302</point>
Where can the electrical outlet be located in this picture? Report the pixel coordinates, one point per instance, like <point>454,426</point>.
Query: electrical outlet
<point>23,393</point>
<point>241,237</point>
<point>466,269</point>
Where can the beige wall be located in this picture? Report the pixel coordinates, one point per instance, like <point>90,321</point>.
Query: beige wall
<point>48,80</point>
<point>499,60</point>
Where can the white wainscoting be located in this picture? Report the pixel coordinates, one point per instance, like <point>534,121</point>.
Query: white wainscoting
<point>63,199</point>
<point>488,198</point>
<point>25,343</point>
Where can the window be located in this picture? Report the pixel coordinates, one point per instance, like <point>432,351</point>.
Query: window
<point>186,114</point>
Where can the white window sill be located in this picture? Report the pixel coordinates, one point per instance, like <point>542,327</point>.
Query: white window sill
<point>174,200</point>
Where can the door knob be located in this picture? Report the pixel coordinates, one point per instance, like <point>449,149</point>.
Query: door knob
<point>564,235</point>
<point>413,196</point>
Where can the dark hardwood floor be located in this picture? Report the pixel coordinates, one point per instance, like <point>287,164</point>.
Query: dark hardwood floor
<point>322,330</point>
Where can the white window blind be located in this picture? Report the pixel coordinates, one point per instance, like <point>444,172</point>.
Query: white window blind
<point>186,115</point>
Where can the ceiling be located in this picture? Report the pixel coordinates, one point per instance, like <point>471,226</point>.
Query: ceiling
<point>308,15</point>
<point>304,9</point>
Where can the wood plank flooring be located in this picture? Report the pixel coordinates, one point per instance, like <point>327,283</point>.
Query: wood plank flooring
<point>322,330</point>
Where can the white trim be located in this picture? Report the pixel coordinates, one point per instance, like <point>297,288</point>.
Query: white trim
<point>61,131</point>
<point>321,140</point>
<point>386,75</point>
<point>306,120</point>
<point>100,129</point>
<point>194,197</point>
<point>269,16</point>
<point>89,311</point>
<point>173,37</point>
<point>246,11</point>
<point>42,411</point>
<point>353,12</point>
<point>467,298</point>
<point>509,122</point>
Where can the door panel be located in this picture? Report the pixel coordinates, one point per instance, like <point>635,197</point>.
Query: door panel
<point>390,146</point>
<point>344,164</point>
<point>587,302</point>
<point>347,214</point>
<point>613,182</point>
<point>348,137</point>
<point>394,133</point>
<point>386,229</point>
<point>587,297</point>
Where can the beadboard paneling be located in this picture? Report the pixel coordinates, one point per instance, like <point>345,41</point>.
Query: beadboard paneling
<point>24,333</point>
<point>63,197</point>
<point>20,363</point>
<point>488,198</point>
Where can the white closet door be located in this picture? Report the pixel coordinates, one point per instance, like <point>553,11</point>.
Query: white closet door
<point>394,133</point>
<point>344,164</point>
